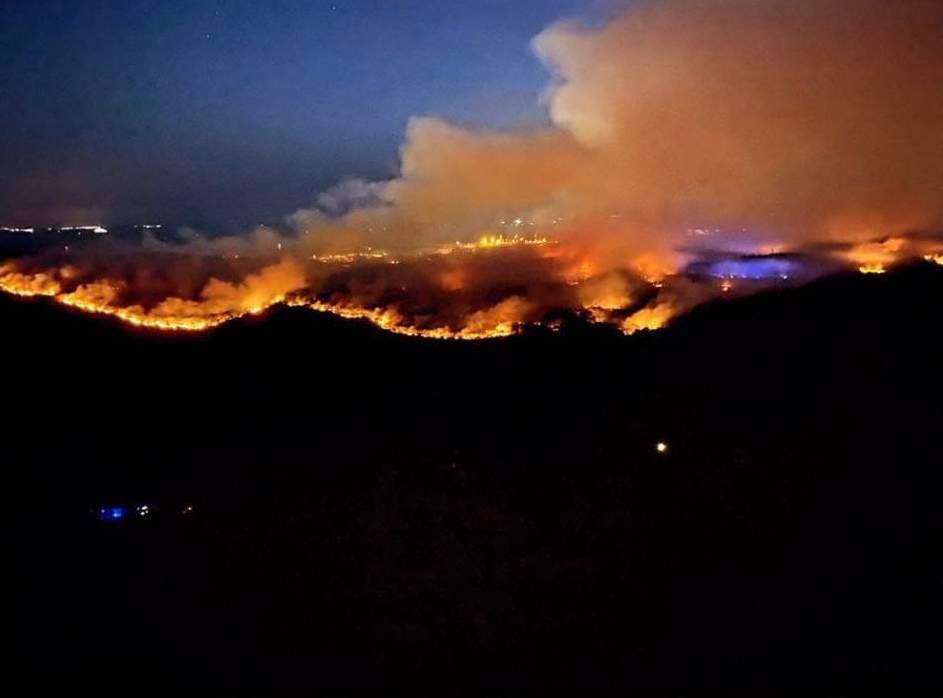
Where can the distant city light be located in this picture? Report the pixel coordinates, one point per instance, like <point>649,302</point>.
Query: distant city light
<point>97,229</point>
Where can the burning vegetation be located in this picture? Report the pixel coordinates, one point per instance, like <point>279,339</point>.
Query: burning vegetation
<point>694,151</point>
<point>462,291</point>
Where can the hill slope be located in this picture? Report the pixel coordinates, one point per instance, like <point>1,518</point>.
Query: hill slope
<point>372,508</point>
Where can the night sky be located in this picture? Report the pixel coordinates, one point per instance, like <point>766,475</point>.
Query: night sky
<point>229,113</point>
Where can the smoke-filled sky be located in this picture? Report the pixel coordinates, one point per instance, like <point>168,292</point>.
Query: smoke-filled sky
<point>225,113</point>
<point>633,141</point>
<point>628,122</point>
<point>783,120</point>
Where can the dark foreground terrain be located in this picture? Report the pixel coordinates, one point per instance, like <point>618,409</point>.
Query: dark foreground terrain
<point>376,512</point>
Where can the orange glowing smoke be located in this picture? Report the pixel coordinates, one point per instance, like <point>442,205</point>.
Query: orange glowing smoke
<point>875,257</point>
<point>482,291</point>
<point>783,120</point>
<point>284,282</point>
<point>18,284</point>
<point>475,291</point>
<point>652,318</point>
<point>219,301</point>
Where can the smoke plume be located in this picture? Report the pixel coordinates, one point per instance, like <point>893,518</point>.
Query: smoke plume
<point>678,129</point>
<point>794,119</point>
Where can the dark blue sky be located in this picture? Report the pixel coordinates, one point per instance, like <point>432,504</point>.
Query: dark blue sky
<point>227,113</point>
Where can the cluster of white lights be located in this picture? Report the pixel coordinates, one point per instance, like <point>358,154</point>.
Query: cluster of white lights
<point>97,229</point>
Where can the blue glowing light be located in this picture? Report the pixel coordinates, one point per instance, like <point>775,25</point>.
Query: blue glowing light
<point>755,268</point>
<point>111,513</point>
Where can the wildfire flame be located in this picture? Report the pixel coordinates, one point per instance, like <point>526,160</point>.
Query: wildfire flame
<point>584,216</point>
<point>875,257</point>
<point>653,318</point>
<point>219,301</point>
<point>483,326</point>
<point>26,285</point>
<point>484,289</point>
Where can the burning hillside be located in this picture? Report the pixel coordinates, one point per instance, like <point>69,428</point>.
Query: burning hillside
<point>459,291</point>
<point>693,150</point>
